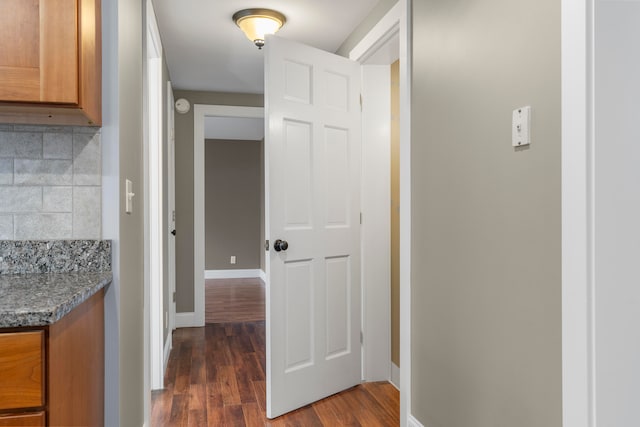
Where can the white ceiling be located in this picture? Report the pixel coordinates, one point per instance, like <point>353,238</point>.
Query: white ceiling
<point>206,51</point>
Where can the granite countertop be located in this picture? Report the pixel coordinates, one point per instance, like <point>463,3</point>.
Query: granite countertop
<point>43,299</point>
<point>41,281</point>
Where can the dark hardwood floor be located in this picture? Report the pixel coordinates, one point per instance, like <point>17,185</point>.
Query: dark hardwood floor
<point>233,300</point>
<point>216,377</point>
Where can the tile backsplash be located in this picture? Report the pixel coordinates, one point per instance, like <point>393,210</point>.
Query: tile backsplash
<point>50,182</point>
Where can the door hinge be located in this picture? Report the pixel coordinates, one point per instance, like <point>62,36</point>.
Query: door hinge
<point>361,338</point>
<point>266,245</point>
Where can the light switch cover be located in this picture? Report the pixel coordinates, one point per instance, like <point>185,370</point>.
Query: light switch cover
<point>520,126</point>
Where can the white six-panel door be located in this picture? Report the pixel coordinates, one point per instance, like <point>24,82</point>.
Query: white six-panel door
<point>312,157</point>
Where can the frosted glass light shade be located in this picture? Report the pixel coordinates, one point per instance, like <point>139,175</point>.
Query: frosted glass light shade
<point>257,23</point>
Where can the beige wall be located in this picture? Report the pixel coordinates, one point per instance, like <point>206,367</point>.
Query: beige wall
<point>131,241</point>
<point>232,204</point>
<point>184,185</point>
<point>263,252</point>
<point>486,279</point>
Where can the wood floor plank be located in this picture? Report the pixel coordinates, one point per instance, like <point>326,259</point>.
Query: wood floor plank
<point>183,372</point>
<point>260,388</point>
<point>252,415</point>
<point>226,377</point>
<point>360,402</point>
<point>198,397</point>
<point>387,397</point>
<point>179,410</point>
<point>333,411</point>
<point>233,416</point>
<point>245,385</point>
<point>197,418</point>
<point>161,410</point>
<point>234,300</point>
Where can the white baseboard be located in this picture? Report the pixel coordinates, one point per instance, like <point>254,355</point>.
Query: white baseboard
<point>167,350</point>
<point>233,274</point>
<point>263,276</point>
<point>412,422</point>
<point>395,375</point>
<point>186,320</point>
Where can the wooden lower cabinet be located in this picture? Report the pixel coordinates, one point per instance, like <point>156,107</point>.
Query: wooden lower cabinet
<point>54,375</point>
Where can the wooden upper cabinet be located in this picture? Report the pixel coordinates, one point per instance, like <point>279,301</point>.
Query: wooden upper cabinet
<point>50,62</point>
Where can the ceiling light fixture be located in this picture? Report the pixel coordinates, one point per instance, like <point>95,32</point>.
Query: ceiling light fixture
<point>256,23</point>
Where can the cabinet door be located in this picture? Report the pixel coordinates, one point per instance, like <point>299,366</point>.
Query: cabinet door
<point>21,370</point>
<point>39,51</point>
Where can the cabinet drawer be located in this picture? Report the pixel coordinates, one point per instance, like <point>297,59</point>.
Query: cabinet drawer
<point>22,370</point>
<point>35,419</point>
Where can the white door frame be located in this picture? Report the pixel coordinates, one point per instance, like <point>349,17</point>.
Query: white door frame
<point>376,193</point>
<point>201,111</point>
<point>153,203</point>
<point>171,207</point>
<point>578,291</point>
<point>153,209</point>
<point>397,21</point>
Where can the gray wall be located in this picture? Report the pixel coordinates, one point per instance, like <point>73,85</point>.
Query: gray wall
<point>184,185</point>
<point>50,182</point>
<point>232,204</point>
<point>486,277</point>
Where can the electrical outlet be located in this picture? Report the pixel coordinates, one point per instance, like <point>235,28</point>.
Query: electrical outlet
<point>233,259</point>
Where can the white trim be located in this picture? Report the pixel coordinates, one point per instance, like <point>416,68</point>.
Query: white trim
<point>379,35</point>
<point>399,17</point>
<point>395,375</point>
<point>405,211</point>
<point>263,276</point>
<point>578,332</point>
<point>412,422</point>
<point>168,345</point>
<point>170,204</point>
<point>153,363</point>
<point>201,111</point>
<point>233,274</point>
<point>187,320</point>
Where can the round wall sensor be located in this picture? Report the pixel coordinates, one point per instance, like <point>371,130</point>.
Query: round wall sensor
<point>182,106</point>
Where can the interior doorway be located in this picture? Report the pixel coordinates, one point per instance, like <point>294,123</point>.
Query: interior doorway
<point>234,220</point>
<point>201,113</point>
<point>390,29</point>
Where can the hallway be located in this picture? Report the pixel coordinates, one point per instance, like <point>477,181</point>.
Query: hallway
<point>216,376</point>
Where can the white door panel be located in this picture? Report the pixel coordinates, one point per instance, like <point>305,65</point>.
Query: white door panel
<point>313,173</point>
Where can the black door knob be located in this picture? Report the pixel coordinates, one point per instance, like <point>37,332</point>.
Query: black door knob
<point>173,232</point>
<point>280,245</point>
